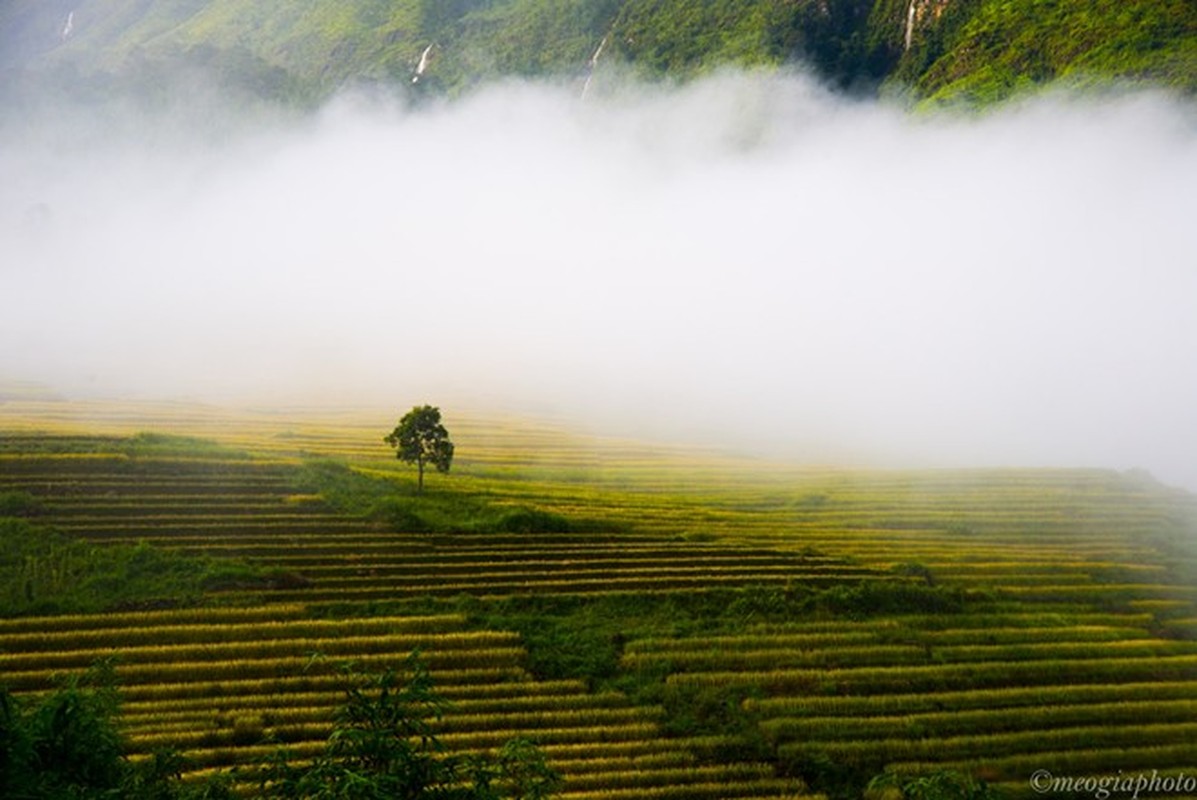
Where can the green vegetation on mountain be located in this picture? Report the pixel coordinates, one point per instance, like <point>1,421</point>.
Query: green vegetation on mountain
<point>1004,47</point>
<point>979,51</point>
<point>679,38</point>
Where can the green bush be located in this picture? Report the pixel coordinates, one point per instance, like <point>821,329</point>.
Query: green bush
<point>527,520</point>
<point>397,513</point>
<point>824,774</point>
<point>383,746</point>
<point>67,745</point>
<point>942,785</point>
<point>875,597</point>
<point>18,504</point>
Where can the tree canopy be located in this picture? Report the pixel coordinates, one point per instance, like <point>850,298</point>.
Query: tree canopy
<point>421,439</point>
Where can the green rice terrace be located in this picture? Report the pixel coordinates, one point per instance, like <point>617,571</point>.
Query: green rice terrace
<point>663,622</point>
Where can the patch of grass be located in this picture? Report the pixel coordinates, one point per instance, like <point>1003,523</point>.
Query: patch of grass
<point>443,509</point>
<point>45,572</point>
<point>147,444</point>
<point>143,444</point>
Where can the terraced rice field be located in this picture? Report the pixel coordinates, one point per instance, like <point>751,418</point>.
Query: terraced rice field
<point>219,683</point>
<point>245,508</point>
<point>989,694</point>
<point>1074,650</point>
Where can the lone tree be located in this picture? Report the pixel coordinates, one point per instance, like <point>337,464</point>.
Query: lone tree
<point>421,439</point>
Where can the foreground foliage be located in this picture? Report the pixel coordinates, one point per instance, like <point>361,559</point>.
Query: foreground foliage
<point>67,745</point>
<point>943,785</point>
<point>384,747</point>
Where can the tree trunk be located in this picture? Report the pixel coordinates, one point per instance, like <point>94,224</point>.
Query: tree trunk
<point>420,479</point>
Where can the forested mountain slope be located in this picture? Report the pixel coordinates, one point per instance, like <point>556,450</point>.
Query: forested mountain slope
<point>978,50</point>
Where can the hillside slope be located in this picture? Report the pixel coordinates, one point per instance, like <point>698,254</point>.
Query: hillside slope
<point>998,48</point>
<point>978,50</point>
<point>718,627</point>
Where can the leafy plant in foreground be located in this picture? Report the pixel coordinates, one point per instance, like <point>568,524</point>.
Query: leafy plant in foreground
<point>383,748</point>
<point>943,785</point>
<point>67,746</point>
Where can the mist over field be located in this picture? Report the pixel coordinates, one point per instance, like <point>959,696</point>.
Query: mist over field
<point>745,261</point>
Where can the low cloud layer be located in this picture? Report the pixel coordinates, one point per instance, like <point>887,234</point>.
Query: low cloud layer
<point>745,261</point>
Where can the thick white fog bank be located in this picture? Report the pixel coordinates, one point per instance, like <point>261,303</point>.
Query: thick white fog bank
<point>744,261</point>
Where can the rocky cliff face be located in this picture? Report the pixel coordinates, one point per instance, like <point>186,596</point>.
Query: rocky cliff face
<point>921,14</point>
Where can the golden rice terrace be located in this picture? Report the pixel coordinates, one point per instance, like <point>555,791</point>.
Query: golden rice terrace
<point>662,622</point>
